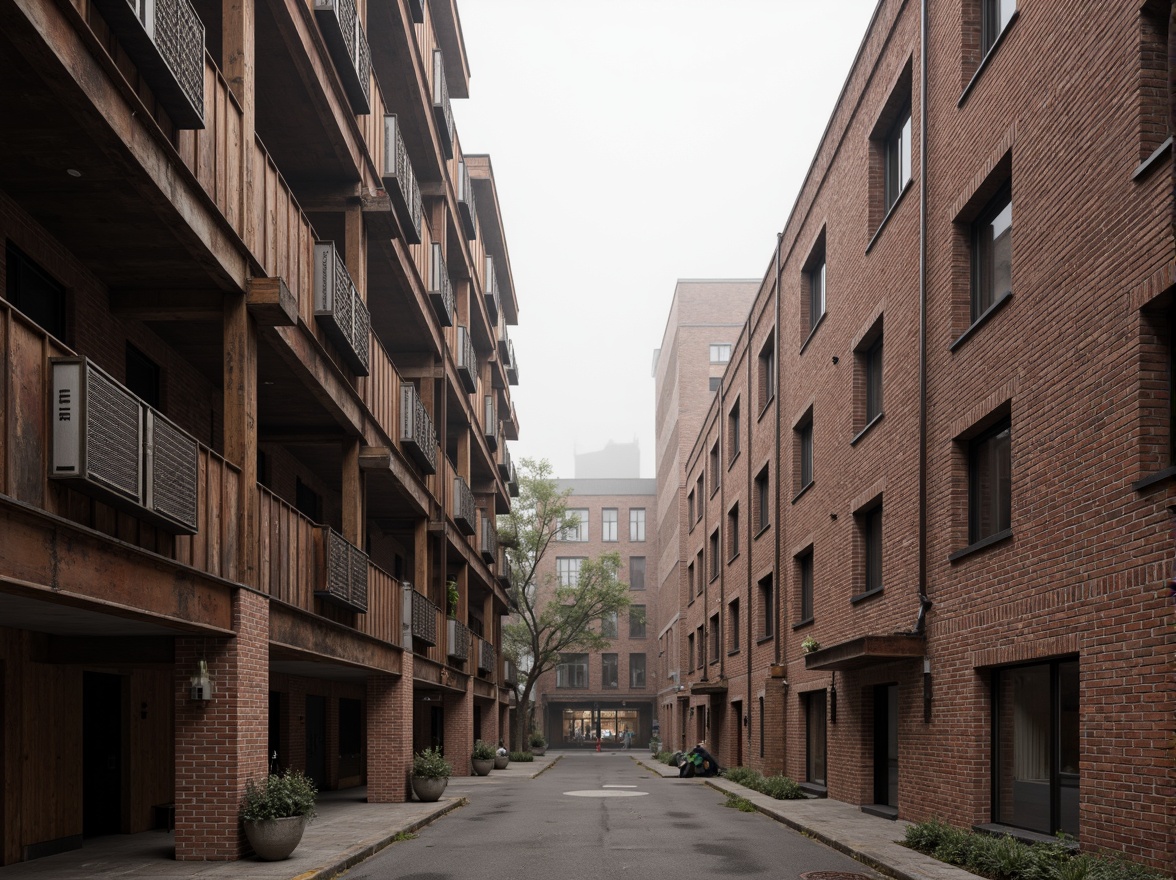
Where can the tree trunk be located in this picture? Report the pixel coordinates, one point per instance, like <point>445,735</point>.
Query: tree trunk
<point>522,736</point>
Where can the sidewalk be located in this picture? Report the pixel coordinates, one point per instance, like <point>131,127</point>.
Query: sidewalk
<point>870,840</point>
<point>346,831</point>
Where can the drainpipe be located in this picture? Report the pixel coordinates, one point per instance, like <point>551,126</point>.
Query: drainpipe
<point>777,524</point>
<point>748,529</point>
<point>924,601</point>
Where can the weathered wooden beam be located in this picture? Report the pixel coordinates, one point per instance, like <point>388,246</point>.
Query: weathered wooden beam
<point>140,305</point>
<point>271,303</point>
<point>97,650</point>
<point>314,639</point>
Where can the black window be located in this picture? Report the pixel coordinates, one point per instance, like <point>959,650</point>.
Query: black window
<point>871,522</point>
<point>816,291</point>
<point>636,572</point>
<point>733,531</point>
<point>804,453</point>
<point>804,574</point>
<point>714,554</point>
<point>636,621</point>
<point>636,670</point>
<point>994,17</point>
<point>992,253</point>
<point>714,637</point>
<point>31,290</point>
<point>608,670</point>
<point>763,500</point>
<point>873,364</point>
<point>690,652</point>
<point>733,623</point>
<point>990,483</point>
<point>766,608</point>
<point>733,431</point>
<point>143,376</point>
<point>714,468</point>
<point>898,157</point>
<point>767,371</point>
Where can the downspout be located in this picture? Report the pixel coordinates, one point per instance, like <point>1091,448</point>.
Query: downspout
<point>924,601</point>
<point>777,525</point>
<point>747,517</point>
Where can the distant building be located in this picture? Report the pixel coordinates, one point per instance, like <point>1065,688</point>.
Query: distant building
<point>615,460</point>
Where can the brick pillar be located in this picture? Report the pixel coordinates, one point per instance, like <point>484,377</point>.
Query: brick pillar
<point>222,743</point>
<point>389,735</point>
<point>459,730</point>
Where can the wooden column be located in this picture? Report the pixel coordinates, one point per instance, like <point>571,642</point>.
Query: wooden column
<point>238,39</point>
<point>240,400</point>
<point>353,493</point>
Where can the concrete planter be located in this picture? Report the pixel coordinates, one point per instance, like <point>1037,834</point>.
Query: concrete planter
<point>538,751</point>
<point>500,761</point>
<point>429,788</point>
<point>482,766</point>
<point>274,839</point>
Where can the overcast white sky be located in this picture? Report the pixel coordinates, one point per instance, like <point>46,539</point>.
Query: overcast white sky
<point>636,142</point>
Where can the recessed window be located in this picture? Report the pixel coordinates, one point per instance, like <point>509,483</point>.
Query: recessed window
<point>637,524</point>
<point>572,671</point>
<point>870,523</point>
<point>577,529</point>
<point>715,383</point>
<point>715,635</point>
<point>804,584</point>
<point>608,524</point>
<point>868,359</point>
<point>690,581</point>
<point>898,157</point>
<point>701,505</point>
<point>567,570</point>
<point>733,433</point>
<point>636,621</point>
<point>815,287</point>
<point>994,17</point>
<point>873,366</point>
<point>34,292</point>
<point>714,554</point>
<point>636,572</point>
<point>720,352</point>
<point>608,670</point>
<point>690,655</point>
<point>701,640</point>
<point>690,508</point>
<point>733,625</point>
<point>992,253</point>
<point>990,483</point>
<point>701,569</point>
<point>636,670</point>
<point>763,500</point>
<point>767,610</point>
<point>803,452</point>
<point>143,376</point>
<point>714,468</point>
<point>733,532</point>
<point>1153,77</point>
<point>767,371</point>
<point>608,625</point>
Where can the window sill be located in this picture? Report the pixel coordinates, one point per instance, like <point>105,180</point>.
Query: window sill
<point>714,662</point>
<point>714,577</point>
<point>764,639</point>
<point>982,320</point>
<point>889,213</point>
<point>868,594</point>
<point>813,332</point>
<point>733,558</point>
<point>734,458</point>
<point>1154,479</point>
<point>862,433</point>
<point>767,406</point>
<point>733,652</point>
<point>806,487</point>
<point>982,544</point>
<point>1151,161</point>
<point>987,57</point>
<point>762,529</point>
<point>802,623</point>
<point>1022,834</point>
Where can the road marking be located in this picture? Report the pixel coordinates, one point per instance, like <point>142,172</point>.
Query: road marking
<point>598,793</point>
<point>619,786</point>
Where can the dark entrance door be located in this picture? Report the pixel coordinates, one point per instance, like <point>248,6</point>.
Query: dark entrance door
<point>102,789</point>
<point>275,731</point>
<point>437,727</point>
<point>886,745</point>
<point>316,740</point>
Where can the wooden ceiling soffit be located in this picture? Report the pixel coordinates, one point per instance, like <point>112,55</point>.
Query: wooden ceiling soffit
<point>271,303</point>
<point>485,689</point>
<point>867,651</point>
<point>121,650</point>
<point>142,305</point>
<point>320,376</point>
<point>314,638</point>
<point>391,472</point>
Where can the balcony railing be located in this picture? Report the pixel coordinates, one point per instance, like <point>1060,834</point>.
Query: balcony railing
<point>400,181</point>
<point>465,201</point>
<point>442,111</point>
<point>486,657</point>
<point>424,618</point>
<point>488,539</point>
<point>503,570</point>
<point>440,289</point>
<point>342,571</point>
<point>504,466</point>
<point>463,506</point>
<point>165,39</point>
<point>340,309</point>
<point>512,367</point>
<point>510,673</point>
<point>490,285</point>
<point>512,483</point>
<point>347,42</point>
<point>490,422</point>
<point>467,360</point>
<point>458,640</point>
<point>417,434</point>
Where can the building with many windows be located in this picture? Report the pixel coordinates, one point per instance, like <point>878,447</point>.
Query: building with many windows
<point>254,411</point>
<point>610,693</point>
<point>927,538</point>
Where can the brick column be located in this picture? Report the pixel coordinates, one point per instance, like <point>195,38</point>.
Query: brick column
<point>389,735</point>
<point>221,743</point>
<point>459,731</point>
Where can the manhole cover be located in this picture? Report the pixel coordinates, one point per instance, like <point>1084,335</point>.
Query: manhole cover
<point>834,875</point>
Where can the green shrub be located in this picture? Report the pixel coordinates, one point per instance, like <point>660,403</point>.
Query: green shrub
<point>781,788</point>
<point>483,751</point>
<point>537,740</point>
<point>744,776</point>
<point>666,757</point>
<point>741,804</point>
<point>430,764</point>
<point>279,797</point>
<point>522,757</point>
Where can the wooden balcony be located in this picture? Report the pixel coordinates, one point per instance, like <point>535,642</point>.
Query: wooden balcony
<point>440,288</point>
<point>348,44</point>
<point>465,202</point>
<point>400,182</point>
<point>425,617</point>
<point>467,360</point>
<point>487,658</point>
<point>418,437</point>
<point>442,111</point>
<point>457,640</point>
<point>490,422</point>
<point>464,512</point>
<point>488,536</point>
<point>490,288</point>
<point>340,309</point>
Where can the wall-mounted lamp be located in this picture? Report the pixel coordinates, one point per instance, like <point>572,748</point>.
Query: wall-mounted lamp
<point>681,688</point>
<point>200,684</point>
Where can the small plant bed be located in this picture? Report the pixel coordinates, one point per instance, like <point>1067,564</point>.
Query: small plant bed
<point>1006,858</point>
<point>666,758</point>
<point>521,757</point>
<point>779,787</point>
<point>742,804</point>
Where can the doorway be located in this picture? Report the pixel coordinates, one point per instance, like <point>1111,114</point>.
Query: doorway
<point>886,746</point>
<point>102,758</point>
<point>316,740</point>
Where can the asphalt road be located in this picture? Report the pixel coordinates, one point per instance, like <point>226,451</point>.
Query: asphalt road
<point>600,816</point>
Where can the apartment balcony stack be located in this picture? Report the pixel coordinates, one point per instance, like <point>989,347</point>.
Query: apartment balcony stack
<point>255,418</point>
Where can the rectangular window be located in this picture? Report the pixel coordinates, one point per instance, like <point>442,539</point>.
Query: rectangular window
<point>636,621</point>
<point>871,526</point>
<point>690,582</point>
<point>873,365</point>
<point>637,524</point>
<point>690,508</point>
<point>567,569</point>
<point>767,609</point>
<point>990,483</point>
<point>767,371</point>
<point>715,635</point>
<point>34,292</point>
<point>733,438</point>
<point>701,569</point>
<point>763,501</point>
<point>636,572</point>
<point>143,377</point>
<point>714,383</point>
<point>814,724</point>
<point>577,529</point>
<point>720,352</point>
<point>608,524</point>
<point>803,461</point>
<point>572,671</point>
<point>636,671</point>
<point>804,577</point>
<point>733,532</point>
<point>714,468</point>
<point>690,652</point>
<point>1036,747</point>
<point>701,499</point>
<point>306,500</point>
<point>992,253</point>
<point>995,16</point>
<point>898,157</point>
<point>701,648</point>
<point>608,625</point>
<point>609,667</point>
<point>714,554</point>
<point>733,624</point>
<point>813,301</point>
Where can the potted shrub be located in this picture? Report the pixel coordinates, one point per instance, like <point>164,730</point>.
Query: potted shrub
<point>430,774</point>
<point>538,743</point>
<point>501,757</point>
<point>275,813</point>
<point>483,758</point>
